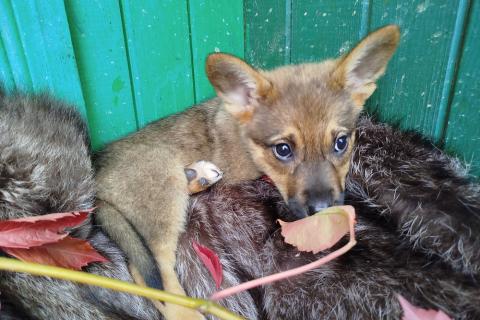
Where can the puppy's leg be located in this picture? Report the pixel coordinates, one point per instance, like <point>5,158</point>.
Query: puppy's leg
<point>201,175</point>
<point>154,203</point>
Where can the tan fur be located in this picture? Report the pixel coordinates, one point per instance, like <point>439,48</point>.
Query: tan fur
<point>306,105</point>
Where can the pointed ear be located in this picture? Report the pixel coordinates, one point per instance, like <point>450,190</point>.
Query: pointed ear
<point>241,87</point>
<point>358,71</point>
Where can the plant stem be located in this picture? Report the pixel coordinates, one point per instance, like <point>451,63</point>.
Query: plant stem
<point>289,273</point>
<point>203,306</point>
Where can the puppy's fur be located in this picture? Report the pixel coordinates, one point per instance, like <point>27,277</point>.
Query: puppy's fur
<point>141,182</point>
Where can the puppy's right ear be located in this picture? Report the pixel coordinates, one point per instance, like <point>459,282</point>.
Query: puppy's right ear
<point>240,86</point>
<point>358,71</point>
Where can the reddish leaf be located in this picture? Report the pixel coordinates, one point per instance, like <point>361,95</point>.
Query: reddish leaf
<point>320,231</point>
<point>68,253</point>
<point>35,231</point>
<point>346,211</point>
<point>211,262</point>
<point>411,312</point>
<point>267,179</point>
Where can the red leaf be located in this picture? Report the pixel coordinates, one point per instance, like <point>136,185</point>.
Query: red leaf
<point>320,231</point>
<point>68,253</point>
<point>411,312</point>
<point>35,231</point>
<point>211,262</point>
<point>267,179</point>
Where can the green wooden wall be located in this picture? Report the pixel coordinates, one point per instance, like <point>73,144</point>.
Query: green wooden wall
<point>125,63</point>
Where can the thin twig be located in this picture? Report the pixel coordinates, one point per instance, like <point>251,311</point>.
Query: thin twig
<point>201,305</point>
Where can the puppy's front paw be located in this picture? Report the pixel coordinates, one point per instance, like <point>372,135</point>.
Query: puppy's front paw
<point>201,175</point>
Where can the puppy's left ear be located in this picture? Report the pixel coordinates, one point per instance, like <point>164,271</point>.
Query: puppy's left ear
<point>358,71</point>
<point>241,87</point>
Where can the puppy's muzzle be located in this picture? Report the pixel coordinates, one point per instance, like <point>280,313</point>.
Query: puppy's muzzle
<point>314,204</point>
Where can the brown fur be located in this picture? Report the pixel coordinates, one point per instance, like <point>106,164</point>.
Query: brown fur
<point>141,179</point>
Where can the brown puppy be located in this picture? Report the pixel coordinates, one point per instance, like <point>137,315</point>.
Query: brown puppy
<point>294,123</point>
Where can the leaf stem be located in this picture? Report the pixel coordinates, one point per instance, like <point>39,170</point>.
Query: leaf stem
<point>289,273</point>
<point>201,305</point>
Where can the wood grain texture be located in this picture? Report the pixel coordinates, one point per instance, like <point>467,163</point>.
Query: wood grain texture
<point>50,58</point>
<point>463,130</point>
<point>12,44</point>
<point>157,34</point>
<point>97,36</point>
<point>267,32</point>
<point>410,92</point>
<point>324,29</point>
<point>215,26</point>
<point>125,63</point>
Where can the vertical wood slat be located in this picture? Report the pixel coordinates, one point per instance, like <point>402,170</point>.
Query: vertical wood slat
<point>410,92</point>
<point>13,47</point>
<point>216,26</point>
<point>463,131</point>
<point>6,77</point>
<point>365,18</point>
<point>325,29</point>
<point>267,32</point>
<point>35,53</point>
<point>100,50</point>
<point>159,55</point>
<point>47,48</point>
<point>453,58</point>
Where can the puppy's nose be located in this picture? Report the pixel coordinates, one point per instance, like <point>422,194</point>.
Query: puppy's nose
<point>316,205</point>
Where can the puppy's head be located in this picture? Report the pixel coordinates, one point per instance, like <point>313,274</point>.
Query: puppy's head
<point>298,122</point>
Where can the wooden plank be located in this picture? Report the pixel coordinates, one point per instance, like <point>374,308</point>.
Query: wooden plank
<point>453,59</point>
<point>6,76</point>
<point>215,26</point>
<point>97,37</point>
<point>463,130</point>
<point>267,32</point>
<point>410,93</point>
<point>13,47</point>
<point>159,52</point>
<point>45,39</point>
<point>324,29</point>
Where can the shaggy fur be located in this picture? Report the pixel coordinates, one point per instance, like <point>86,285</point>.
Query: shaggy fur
<point>417,231</point>
<point>44,168</point>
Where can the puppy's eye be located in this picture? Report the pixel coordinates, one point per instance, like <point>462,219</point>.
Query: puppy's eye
<point>341,144</point>
<point>282,151</point>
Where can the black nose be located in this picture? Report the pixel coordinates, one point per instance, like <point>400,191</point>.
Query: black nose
<point>317,205</point>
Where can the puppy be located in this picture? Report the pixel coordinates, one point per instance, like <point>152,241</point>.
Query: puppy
<point>296,124</point>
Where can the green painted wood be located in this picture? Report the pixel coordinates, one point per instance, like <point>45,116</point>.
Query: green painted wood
<point>215,26</point>
<point>463,130</point>
<point>48,51</point>
<point>6,77</point>
<point>97,36</point>
<point>131,62</point>
<point>157,35</point>
<point>324,29</point>
<point>13,47</point>
<point>411,91</point>
<point>267,32</point>
<point>449,81</point>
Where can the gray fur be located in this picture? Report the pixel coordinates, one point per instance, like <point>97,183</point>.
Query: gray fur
<point>418,230</point>
<point>410,241</point>
<point>45,167</point>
